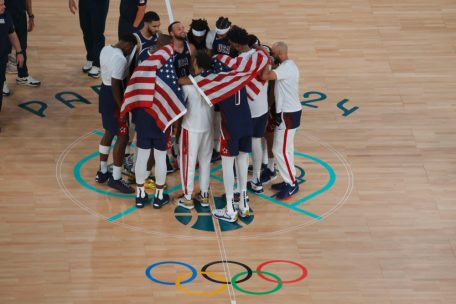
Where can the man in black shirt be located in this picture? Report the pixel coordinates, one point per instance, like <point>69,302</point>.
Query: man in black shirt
<point>131,16</point>
<point>92,19</point>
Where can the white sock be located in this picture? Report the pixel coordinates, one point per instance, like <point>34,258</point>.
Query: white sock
<point>159,193</point>
<point>236,179</point>
<point>242,162</point>
<point>141,172</point>
<point>127,149</point>
<point>265,150</point>
<point>116,172</point>
<point>271,163</point>
<point>140,192</point>
<point>228,180</point>
<point>103,167</point>
<point>188,196</point>
<point>160,167</point>
<point>257,157</point>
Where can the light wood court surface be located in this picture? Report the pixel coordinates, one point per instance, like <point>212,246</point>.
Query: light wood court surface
<point>377,217</point>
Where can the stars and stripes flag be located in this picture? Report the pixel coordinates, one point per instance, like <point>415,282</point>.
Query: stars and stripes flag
<point>153,86</point>
<point>232,74</point>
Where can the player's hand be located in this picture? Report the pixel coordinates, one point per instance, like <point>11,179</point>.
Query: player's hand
<point>278,119</point>
<point>20,60</point>
<point>72,5</point>
<point>31,24</point>
<point>184,80</point>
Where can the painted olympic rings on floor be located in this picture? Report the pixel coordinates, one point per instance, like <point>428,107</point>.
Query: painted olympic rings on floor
<point>234,281</point>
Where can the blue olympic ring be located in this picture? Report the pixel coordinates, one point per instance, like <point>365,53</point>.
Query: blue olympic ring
<point>192,269</point>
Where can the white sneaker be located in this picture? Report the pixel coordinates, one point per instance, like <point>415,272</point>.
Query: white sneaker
<point>224,215</point>
<point>94,72</point>
<point>6,90</point>
<point>11,66</point>
<point>30,81</point>
<point>86,68</point>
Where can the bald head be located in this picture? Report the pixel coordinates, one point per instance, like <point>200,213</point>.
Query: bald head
<point>280,51</point>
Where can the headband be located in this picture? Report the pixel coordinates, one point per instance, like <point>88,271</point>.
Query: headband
<point>222,31</point>
<point>198,33</point>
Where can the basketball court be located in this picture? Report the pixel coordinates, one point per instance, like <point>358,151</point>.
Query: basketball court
<point>374,220</point>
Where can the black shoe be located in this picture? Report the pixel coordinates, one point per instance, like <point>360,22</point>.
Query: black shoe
<point>278,186</point>
<point>102,177</point>
<point>120,185</point>
<point>142,201</point>
<point>158,203</point>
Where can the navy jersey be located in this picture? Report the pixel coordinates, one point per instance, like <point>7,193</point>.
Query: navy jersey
<point>182,61</point>
<point>223,46</point>
<point>236,117</point>
<point>6,28</point>
<point>148,46</point>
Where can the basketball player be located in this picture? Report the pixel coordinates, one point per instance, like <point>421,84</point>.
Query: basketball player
<point>182,49</point>
<point>147,36</point>
<point>150,137</point>
<point>92,19</point>
<point>196,138</point>
<point>198,33</point>
<point>114,68</point>
<point>287,117</point>
<point>217,43</point>
<point>131,16</point>
<point>236,138</point>
<point>7,36</point>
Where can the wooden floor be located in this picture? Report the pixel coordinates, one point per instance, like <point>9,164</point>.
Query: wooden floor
<point>374,222</point>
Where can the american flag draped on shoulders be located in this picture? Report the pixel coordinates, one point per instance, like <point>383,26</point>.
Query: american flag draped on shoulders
<point>153,86</point>
<point>231,75</point>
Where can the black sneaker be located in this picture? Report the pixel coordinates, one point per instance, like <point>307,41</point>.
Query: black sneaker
<point>287,191</point>
<point>120,185</point>
<point>158,203</point>
<point>142,201</point>
<point>278,186</point>
<point>267,176</point>
<point>255,186</point>
<point>102,177</point>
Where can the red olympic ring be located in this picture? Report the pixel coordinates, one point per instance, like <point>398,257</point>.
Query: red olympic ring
<point>302,277</point>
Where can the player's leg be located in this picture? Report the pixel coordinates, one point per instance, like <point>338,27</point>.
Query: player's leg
<point>141,172</point>
<point>269,173</point>
<point>204,159</point>
<point>104,149</point>
<point>189,142</point>
<point>291,187</point>
<point>245,147</point>
<point>116,180</point>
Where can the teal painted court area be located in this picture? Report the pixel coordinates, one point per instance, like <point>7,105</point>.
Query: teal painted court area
<point>295,206</point>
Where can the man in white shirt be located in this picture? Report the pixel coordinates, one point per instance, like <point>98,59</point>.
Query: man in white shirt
<point>196,138</point>
<point>114,65</point>
<point>288,118</point>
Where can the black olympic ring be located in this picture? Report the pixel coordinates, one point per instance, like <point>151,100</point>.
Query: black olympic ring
<point>248,276</point>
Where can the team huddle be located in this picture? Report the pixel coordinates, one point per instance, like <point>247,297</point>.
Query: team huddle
<point>260,119</point>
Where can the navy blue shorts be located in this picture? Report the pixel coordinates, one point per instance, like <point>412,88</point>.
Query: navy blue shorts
<point>110,112</point>
<point>259,125</point>
<point>148,135</point>
<point>232,146</point>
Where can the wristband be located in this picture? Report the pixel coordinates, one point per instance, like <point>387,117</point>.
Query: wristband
<point>31,16</point>
<point>19,53</point>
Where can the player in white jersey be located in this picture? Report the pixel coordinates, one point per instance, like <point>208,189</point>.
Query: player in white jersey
<point>196,138</point>
<point>288,117</point>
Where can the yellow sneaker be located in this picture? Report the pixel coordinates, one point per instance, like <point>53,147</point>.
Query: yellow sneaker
<point>185,203</point>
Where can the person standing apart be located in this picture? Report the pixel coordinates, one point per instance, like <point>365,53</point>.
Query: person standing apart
<point>92,19</point>
<point>131,16</point>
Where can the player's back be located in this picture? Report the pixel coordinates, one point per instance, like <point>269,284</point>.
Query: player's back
<point>236,116</point>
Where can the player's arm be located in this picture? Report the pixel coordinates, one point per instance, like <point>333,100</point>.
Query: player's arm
<point>268,74</point>
<point>73,6</point>
<point>140,13</point>
<point>17,46</point>
<point>31,20</point>
<point>184,80</point>
<point>117,85</point>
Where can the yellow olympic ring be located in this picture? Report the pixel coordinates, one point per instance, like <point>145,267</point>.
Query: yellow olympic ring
<point>200,294</point>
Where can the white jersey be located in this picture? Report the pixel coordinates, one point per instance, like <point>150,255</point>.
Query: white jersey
<point>210,37</point>
<point>287,87</point>
<point>200,115</point>
<point>113,64</point>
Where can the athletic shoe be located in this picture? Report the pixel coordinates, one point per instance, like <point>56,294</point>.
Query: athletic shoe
<point>237,197</point>
<point>263,166</point>
<point>102,177</point>
<point>30,81</point>
<point>120,185</point>
<point>185,203</point>
<point>6,91</point>
<point>149,184</point>
<point>287,191</point>
<point>203,199</point>
<point>243,208</point>
<point>128,163</point>
<point>267,176</point>
<point>215,156</point>
<point>11,66</point>
<point>224,215</point>
<point>141,201</point>
<point>278,186</point>
<point>158,203</point>
<point>255,186</point>
<point>94,72</point>
<point>87,67</point>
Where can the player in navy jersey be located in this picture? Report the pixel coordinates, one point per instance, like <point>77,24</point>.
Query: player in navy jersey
<point>147,36</point>
<point>131,15</point>
<point>287,117</point>
<point>217,41</point>
<point>182,49</point>
<point>198,33</point>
